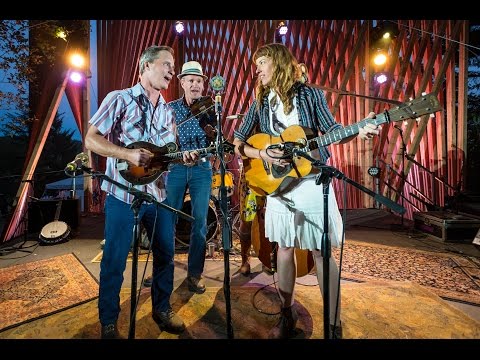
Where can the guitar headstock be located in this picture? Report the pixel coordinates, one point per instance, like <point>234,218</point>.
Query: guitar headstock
<point>422,105</point>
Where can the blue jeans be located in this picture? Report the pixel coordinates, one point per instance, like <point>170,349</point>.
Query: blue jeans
<point>119,222</point>
<point>198,178</point>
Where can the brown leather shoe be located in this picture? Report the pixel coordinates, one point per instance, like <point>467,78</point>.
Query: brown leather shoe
<point>148,281</point>
<point>169,321</point>
<point>285,327</point>
<point>245,268</point>
<point>110,331</point>
<point>196,284</point>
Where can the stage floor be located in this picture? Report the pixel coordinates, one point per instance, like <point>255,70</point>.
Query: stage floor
<point>372,309</point>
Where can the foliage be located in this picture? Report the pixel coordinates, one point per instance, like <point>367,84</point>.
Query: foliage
<point>59,149</point>
<point>26,45</point>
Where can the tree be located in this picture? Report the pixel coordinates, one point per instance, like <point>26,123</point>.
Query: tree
<point>60,148</point>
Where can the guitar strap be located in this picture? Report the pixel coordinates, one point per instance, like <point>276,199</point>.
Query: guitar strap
<point>278,126</point>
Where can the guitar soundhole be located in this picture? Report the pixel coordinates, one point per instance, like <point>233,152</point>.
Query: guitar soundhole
<point>280,171</point>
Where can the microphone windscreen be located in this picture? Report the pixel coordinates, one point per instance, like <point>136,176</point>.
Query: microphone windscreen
<point>217,83</point>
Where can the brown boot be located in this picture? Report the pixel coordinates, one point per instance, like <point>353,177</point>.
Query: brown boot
<point>245,268</point>
<point>285,326</point>
<point>245,244</point>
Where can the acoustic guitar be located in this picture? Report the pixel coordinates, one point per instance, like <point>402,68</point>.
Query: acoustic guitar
<point>162,156</point>
<point>265,178</point>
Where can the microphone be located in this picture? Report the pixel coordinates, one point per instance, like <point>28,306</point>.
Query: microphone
<point>218,104</point>
<point>78,163</point>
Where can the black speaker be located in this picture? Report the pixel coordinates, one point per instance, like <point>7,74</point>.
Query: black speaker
<point>42,212</point>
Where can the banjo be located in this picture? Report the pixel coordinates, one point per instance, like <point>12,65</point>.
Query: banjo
<point>55,231</point>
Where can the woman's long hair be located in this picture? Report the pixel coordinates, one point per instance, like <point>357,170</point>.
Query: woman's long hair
<point>285,73</point>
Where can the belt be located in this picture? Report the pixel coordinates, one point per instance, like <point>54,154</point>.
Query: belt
<point>198,162</point>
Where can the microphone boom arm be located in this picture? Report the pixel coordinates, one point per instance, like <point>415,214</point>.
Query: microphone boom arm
<point>331,171</point>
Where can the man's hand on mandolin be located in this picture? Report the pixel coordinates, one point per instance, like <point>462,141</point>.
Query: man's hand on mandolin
<point>189,157</point>
<point>139,157</point>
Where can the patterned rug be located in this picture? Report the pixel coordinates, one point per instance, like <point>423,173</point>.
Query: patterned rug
<point>451,277</point>
<point>34,290</point>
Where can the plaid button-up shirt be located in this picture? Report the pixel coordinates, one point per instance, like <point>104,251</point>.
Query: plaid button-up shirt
<point>126,116</point>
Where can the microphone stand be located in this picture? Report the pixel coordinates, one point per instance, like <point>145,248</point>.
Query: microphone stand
<point>324,177</point>
<point>404,150</point>
<point>226,227</point>
<point>139,198</point>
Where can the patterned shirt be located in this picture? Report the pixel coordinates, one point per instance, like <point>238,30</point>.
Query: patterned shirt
<point>312,109</point>
<point>190,135</point>
<point>127,116</point>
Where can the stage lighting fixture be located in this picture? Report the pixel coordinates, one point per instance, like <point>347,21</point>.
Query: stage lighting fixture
<point>380,78</point>
<point>282,28</point>
<point>76,77</point>
<point>380,57</point>
<point>77,60</point>
<point>179,27</point>
<point>374,171</point>
<point>384,31</point>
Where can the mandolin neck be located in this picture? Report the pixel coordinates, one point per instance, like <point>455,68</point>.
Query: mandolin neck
<point>179,155</point>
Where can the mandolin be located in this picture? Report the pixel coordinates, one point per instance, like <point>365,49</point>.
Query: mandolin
<point>265,178</point>
<point>162,156</point>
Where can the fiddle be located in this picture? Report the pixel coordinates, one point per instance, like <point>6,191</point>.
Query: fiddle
<point>204,110</point>
<point>203,105</point>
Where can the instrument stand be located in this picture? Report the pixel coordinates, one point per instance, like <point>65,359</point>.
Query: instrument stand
<point>225,225</point>
<point>324,177</point>
<point>139,198</point>
<point>456,190</point>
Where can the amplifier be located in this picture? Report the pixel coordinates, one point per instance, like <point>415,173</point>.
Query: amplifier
<point>447,226</point>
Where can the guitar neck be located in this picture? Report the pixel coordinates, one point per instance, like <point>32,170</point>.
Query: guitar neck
<point>423,105</point>
<point>343,133</point>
